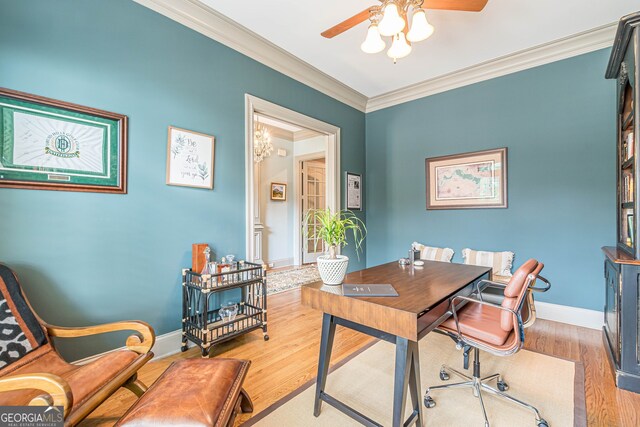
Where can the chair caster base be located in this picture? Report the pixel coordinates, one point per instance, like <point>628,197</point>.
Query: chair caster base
<point>502,386</point>
<point>444,376</point>
<point>542,423</point>
<point>266,337</point>
<point>429,402</point>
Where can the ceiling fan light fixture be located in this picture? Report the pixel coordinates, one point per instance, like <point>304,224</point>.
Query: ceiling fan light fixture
<point>373,43</point>
<point>391,22</point>
<point>399,48</point>
<point>421,29</point>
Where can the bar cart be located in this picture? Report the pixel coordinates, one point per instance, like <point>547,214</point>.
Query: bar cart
<point>205,323</point>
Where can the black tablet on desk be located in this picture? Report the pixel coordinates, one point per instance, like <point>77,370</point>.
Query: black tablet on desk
<point>369,290</point>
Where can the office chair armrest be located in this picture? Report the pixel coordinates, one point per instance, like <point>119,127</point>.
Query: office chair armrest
<point>473,342</point>
<point>491,284</point>
<point>140,342</point>
<point>485,283</point>
<point>542,289</point>
<point>57,390</point>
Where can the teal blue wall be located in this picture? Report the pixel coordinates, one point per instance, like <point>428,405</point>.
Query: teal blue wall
<point>87,258</point>
<point>558,122</point>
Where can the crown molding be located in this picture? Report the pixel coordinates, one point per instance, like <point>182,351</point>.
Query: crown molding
<point>303,134</point>
<point>578,44</point>
<point>280,133</point>
<point>218,27</point>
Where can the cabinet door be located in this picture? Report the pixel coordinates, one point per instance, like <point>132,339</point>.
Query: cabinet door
<point>612,308</point>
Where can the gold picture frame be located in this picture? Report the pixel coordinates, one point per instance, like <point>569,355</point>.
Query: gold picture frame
<point>467,181</point>
<point>278,191</point>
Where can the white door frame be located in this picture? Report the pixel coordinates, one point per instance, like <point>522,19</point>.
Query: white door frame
<point>255,105</point>
<point>297,207</point>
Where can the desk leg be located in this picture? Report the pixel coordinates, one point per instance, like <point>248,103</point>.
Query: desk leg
<point>326,344</point>
<point>407,373</point>
<point>414,386</point>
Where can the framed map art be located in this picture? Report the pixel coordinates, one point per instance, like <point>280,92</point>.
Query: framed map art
<point>467,181</point>
<point>54,145</point>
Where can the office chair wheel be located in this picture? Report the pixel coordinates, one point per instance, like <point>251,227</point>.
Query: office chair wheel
<point>542,423</point>
<point>502,386</point>
<point>429,402</point>
<point>444,376</point>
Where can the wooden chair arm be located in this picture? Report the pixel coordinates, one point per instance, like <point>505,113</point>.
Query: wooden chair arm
<point>141,342</point>
<point>58,392</point>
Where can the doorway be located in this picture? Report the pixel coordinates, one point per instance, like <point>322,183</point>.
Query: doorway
<point>312,197</point>
<point>314,184</point>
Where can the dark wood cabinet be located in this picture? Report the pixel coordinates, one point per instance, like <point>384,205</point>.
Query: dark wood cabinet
<point>622,263</point>
<point>622,317</point>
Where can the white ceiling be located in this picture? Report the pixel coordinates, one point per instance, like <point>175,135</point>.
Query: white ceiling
<point>461,39</point>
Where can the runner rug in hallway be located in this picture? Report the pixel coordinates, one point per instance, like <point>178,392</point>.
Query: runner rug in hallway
<point>280,281</point>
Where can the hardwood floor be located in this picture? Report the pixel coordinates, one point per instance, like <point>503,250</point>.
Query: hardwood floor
<point>289,359</point>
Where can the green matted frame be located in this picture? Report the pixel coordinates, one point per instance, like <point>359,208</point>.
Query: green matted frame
<point>46,144</point>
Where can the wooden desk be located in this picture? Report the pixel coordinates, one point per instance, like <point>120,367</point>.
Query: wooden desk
<point>422,304</point>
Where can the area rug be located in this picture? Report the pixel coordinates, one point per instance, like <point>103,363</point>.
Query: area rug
<point>280,281</point>
<point>365,382</point>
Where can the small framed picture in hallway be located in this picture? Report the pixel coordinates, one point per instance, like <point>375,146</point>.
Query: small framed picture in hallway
<point>278,191</point>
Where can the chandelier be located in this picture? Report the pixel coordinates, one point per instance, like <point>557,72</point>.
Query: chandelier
<point>390,20</point>
<point>262,146</point>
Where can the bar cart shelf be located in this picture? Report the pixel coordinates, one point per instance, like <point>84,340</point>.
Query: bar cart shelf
<point>202,323</point>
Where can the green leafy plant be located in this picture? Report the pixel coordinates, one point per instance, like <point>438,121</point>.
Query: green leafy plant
<point>332,229</point>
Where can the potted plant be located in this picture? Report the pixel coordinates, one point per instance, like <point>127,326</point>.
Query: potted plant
<point>332,229</point>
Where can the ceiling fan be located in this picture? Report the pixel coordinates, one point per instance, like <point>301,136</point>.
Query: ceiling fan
<point>390,18</point>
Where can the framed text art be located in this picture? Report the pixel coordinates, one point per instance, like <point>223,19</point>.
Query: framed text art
<point>467,181</point>
<point>190,158</point>
<point>54,145</point>
<point>354,191</point>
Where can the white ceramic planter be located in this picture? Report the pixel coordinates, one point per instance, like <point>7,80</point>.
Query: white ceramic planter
<point>332,271</point>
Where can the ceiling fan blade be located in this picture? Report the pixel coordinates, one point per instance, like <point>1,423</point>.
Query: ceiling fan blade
<point>346,24</point>
<point>464,5</point>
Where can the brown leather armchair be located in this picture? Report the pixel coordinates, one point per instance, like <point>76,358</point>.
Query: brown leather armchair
<point>33,373</point>
<point>494,328</point>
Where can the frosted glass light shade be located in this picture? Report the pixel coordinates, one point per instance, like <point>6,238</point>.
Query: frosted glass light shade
<point>421,29</point>
<point>399,48</point>
<point>373,43</point>
<point>391,22</point>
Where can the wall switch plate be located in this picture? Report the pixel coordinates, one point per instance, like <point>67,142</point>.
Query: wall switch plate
<point>270,265</point>
<point>282,152</point>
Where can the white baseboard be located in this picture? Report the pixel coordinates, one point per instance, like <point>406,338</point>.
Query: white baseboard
<point>165,345</point>
<point>586,318</point>
<point>277,263</point>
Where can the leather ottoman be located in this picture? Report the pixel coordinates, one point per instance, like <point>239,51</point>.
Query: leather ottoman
<point>194,393</point>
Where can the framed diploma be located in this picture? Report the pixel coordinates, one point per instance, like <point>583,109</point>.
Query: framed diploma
<point>54,145</point>
<point>354,191</point>
<point>190,158</point>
